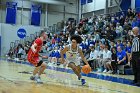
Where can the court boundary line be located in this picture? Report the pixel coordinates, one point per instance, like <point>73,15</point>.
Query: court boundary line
<point>90,75</point>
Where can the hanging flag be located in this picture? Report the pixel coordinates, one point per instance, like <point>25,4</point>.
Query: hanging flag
<point>35,15</point>
<point>83,2</point>
<point>11,10</point>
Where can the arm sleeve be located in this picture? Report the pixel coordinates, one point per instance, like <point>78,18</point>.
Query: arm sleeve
<point>38,42</point>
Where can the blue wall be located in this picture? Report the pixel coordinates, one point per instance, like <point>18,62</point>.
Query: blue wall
<point>125,5</point>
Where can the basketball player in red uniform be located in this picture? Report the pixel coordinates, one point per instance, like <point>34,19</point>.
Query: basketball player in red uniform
<point>33,57</point>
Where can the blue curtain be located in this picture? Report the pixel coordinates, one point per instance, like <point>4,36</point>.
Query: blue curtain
<point>11,9</point>
<point>83,2</point>
<point>35,15</point>
<point>125,4</point>
<point>89,1</point>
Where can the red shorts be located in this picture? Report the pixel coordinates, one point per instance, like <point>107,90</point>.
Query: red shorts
<point>33,60</point>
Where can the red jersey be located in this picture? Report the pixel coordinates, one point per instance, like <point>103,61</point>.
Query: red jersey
<point>34,57</point>
<point>39,43</point>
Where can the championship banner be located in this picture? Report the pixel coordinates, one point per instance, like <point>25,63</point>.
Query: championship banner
<point>11,10</point>
<point>35,15</point>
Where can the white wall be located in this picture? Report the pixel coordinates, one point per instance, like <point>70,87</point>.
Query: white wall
<point>0,40</point>
<point>133,4</point>
<point>9,34</point>
<point>56,12</point>
<point>97,5</point>
<point>0,29</point>
<point>94,6</point>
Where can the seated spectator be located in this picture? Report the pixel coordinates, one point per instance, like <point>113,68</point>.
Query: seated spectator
<point>119,30</point>
<point>128,51</point>
<point>84,46</point>
<point>106,58</point>
<point>112,66</point>
<point>92,58</point>
<point>135,23</point>
<point>20,50</point>
<point>10,53</point>
<point>129,13</point>
<point>119,43</point>
<point>112,44</point>
<point>121,56</point>
<point>124,45</point>
<point>100,58</point>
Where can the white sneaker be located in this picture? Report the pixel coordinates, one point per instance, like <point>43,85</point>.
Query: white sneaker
<point>109,72</point>
<point>105,71</point>
<point>38,80</point>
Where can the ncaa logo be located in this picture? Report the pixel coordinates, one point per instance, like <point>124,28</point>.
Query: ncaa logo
<point>21,33</point>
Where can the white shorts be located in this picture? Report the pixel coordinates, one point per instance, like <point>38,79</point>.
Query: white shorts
<point>76,62</point>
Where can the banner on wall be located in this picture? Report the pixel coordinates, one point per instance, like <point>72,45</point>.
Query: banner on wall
<point>83,2</point>
<point>137,6</point>
<point>35,15</point>
<point>11,9</point>
<point>125,5</point>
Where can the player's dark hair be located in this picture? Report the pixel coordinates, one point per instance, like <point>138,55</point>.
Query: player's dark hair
<point>77,38</point>
<point>42,31</point>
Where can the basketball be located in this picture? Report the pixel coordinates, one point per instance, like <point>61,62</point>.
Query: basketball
<point>86,69</point>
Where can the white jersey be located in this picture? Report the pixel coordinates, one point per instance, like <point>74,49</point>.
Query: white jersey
<point>73,55</point>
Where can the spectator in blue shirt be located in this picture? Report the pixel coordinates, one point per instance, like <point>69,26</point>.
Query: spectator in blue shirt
<point>121,56</point>
<point>135,23</point>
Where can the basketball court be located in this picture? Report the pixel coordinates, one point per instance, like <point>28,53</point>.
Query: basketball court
<point>14,78</point>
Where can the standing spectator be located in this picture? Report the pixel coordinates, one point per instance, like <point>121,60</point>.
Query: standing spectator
<point>135,55</point>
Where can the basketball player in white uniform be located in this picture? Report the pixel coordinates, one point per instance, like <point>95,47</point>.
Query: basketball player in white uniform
<point>73,56</point>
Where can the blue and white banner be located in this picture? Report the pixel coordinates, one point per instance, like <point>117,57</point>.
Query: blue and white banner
<point>11,10</point>
<point>83,2</point>
<point>35,15</point>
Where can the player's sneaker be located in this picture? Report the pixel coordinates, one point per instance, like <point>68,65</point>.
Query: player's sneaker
<point>83,81</point>
<point>79,78</point>
<point>32,78</point>
<point>38,80</point>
